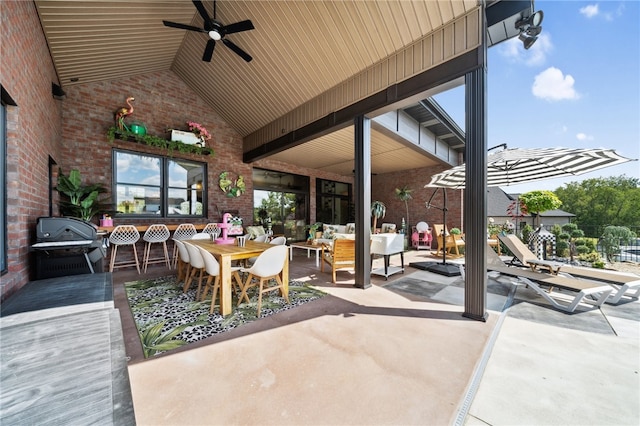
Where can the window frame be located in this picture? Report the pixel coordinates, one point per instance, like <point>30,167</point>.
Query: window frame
<point>163,187</point>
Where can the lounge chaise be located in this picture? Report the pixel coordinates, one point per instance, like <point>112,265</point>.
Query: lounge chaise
<point>577,291</point>
<point>621,282</point>
<point>525,257</point>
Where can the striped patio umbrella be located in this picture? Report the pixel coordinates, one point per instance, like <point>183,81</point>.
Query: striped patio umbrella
<point>517,165</point>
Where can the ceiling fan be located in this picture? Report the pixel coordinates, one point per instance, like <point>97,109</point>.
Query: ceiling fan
<point>216,31</point>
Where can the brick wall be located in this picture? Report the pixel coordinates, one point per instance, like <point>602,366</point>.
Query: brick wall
<point>33,132</point>
<point>383,189</point>
<point>162,101</point>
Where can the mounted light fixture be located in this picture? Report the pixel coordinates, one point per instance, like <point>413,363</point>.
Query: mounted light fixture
<point>215,35</point>
<point>526,40</point>
<point>57,92</point>
<point>530,28</point>
<point>531,21</point>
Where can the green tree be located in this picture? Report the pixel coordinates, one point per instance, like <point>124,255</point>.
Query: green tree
<point>613,238</point>
<point>278,206</point>
<point>537,202</point>
<point>602,201</point>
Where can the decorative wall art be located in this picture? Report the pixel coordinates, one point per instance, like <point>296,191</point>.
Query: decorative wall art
<point>231,188</point>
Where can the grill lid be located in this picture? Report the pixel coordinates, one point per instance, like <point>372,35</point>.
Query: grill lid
<point>64,229</point>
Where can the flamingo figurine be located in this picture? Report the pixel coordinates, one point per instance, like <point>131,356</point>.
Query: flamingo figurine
<point>124,112</point>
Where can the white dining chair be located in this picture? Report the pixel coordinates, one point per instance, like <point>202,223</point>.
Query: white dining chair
<point>201,236</point>
<point>184,231</point>
<point>266,268</point>
<point>212,268</point>
<point>278,241</point>
<point>197,267</point>
<point>261,238</point>
<point>183,268</point>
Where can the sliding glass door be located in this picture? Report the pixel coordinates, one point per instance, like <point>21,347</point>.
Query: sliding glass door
<point>280,201</point>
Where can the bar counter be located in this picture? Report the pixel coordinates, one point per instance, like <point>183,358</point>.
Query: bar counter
<point>141,228</point>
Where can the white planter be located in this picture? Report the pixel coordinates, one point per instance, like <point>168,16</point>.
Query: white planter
<point>185,137</point>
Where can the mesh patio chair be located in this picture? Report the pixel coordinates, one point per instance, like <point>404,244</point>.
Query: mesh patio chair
<point>156,234</point>
<point>124,235</point>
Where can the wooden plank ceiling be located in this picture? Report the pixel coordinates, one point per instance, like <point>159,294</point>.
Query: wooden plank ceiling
<point>300,49</point>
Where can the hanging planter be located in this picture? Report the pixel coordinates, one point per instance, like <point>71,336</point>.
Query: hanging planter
<point>188,138</point>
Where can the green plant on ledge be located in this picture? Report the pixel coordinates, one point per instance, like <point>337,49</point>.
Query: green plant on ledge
<point>158,142</point>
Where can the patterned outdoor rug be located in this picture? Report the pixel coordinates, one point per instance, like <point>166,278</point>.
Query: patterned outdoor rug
<point>167,318</point>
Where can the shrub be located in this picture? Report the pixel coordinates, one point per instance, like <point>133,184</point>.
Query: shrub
<point>583,249</point>
<point>591,257</point>
<point>526,233</point>
<point>562,248</point>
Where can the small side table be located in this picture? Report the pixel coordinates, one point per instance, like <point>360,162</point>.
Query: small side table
<point>308,247</point>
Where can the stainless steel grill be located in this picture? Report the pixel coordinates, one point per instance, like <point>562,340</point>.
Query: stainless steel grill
<point>67,246</point>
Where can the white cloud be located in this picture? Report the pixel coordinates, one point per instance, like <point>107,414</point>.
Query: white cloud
<point>552,85</point>
<point>593,10</point>
<point>590,11</point>
<point>584,137</point>
<point>514,50</point>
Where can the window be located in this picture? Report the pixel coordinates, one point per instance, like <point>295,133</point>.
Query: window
<point>3,188</point>
<point>334,202</point>
<point>152,185</point>
<point>5,100</point>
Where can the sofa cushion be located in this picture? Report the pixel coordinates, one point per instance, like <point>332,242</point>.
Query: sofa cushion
<point>350,228</point>
<point>386,228</point>
<point>328,230</point>
<point>255,231</point>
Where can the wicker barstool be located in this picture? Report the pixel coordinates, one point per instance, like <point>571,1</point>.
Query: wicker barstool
<point>156,234</point>
<point>184,231</point>
<point>124,235</point>
<point>212,229</point>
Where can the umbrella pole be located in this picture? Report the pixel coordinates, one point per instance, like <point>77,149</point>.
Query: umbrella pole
<point>443,268</point>
<point>444,223</point>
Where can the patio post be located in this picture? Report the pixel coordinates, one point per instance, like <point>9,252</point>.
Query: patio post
<point>475,193</point>
<point>362,189</point>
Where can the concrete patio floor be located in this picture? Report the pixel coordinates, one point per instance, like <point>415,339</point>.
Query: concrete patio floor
<point>399,352</point>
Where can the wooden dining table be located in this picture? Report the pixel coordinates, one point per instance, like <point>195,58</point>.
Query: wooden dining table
<point>225,253</point>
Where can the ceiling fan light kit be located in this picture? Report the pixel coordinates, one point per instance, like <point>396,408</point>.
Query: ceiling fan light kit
<point>216,31</point>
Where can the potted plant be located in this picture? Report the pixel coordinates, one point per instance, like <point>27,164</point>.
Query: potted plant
<point>378,210</point>
<point>312,231</point>
<point>82,200</point>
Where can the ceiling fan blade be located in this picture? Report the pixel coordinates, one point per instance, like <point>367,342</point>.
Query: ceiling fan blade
<point>201,9</point>
<point>183,26</point>
<point>239,27</point>
<point>231,45</point>
<point>208,51</point>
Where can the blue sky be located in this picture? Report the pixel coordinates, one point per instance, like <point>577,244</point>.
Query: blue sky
<point>578,86</point>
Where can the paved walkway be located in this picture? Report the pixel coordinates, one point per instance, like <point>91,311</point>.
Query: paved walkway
<point>401,353</point>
